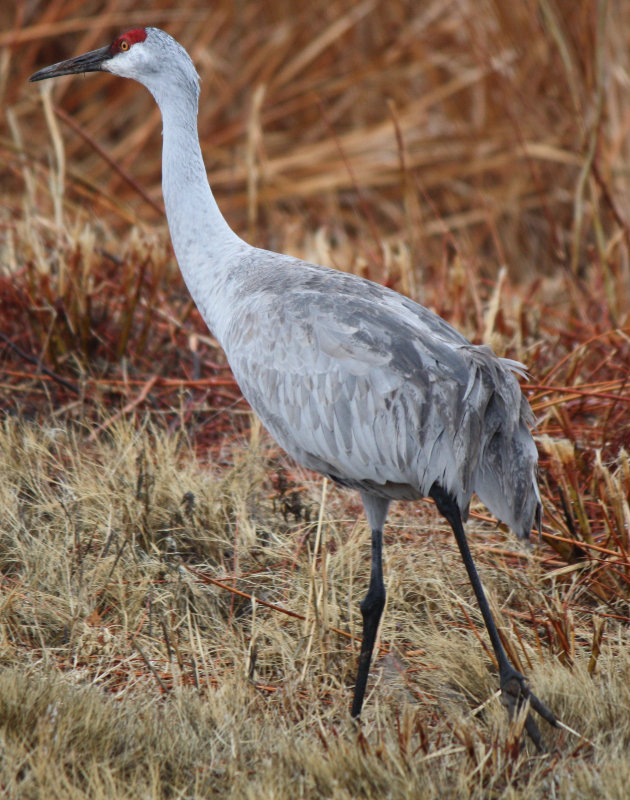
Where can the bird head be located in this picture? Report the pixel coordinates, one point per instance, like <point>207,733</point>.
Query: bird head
<point>148,55</point>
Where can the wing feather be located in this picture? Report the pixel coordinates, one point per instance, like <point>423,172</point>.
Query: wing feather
<point>362,384</point>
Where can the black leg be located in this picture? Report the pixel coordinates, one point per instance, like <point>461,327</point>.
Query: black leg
<point>371,610</point>
<point>514,687</point>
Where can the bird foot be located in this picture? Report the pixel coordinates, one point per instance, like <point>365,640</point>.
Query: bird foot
<point>515,692</point>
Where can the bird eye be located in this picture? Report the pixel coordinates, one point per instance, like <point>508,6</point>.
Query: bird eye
<point>124,45</point>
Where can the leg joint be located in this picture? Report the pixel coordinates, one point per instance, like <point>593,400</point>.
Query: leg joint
<point>374,601</point>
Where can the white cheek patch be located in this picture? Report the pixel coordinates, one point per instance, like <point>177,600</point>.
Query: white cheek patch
<point>129,64</point>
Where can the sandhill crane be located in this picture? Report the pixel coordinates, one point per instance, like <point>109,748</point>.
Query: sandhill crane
<point>352,379</point>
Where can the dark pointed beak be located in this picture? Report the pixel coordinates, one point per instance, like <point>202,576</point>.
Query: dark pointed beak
<point>89,62</point>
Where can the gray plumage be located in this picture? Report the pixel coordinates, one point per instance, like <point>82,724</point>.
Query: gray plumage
<point>352,379</point>
<point>361,384</point>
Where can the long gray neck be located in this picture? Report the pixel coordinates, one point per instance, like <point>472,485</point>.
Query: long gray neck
<point>202,239</point>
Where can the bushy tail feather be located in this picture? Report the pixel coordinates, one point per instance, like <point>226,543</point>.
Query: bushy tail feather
<point>506,475</point>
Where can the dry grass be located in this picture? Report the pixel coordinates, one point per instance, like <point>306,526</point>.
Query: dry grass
<point>127,674</point>
<point>427,146</point>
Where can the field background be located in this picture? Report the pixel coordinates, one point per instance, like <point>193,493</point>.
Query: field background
<point>474,155</point>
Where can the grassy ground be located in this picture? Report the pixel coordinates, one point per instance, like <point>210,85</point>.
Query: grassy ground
<point>179,602</point>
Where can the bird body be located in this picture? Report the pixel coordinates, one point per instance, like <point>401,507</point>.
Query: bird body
<point>352,379</point>
<point>373,390</point>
